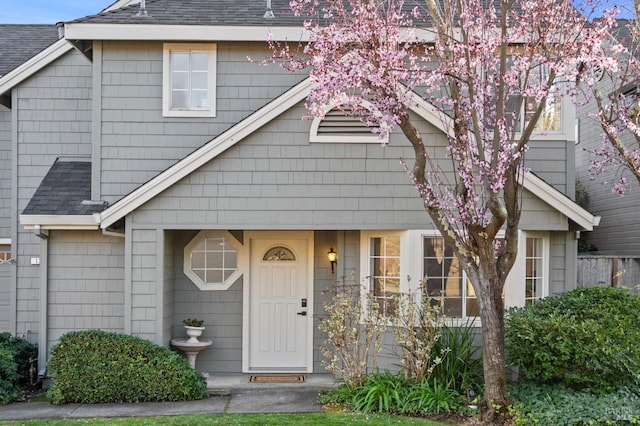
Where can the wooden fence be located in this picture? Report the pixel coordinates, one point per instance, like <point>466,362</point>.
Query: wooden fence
<point>623,271</point>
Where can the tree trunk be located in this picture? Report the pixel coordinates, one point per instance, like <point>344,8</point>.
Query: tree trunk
<point>493,356</point>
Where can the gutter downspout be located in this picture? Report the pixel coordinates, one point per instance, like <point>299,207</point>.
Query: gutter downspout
<point>44,303</point>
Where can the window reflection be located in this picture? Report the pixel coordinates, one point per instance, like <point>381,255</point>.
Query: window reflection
<point>385,269</point>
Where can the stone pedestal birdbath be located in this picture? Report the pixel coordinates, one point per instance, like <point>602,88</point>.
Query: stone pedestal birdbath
<point>191,348</point>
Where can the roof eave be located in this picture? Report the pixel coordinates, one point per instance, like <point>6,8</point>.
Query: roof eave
<point>159,32</point>
<point>30,67</point>
<point>187,32</point>
<point>62,222</point>
<point>560,202</point>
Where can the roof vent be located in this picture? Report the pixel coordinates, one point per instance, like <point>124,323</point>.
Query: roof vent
<point>142,13</point>
<point>269,13</point>
<point>60,27</point>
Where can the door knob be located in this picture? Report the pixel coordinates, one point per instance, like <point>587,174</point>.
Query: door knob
<point>303,313</point>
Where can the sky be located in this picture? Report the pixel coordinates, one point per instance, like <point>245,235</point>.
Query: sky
<point>52,11</point>
<point>48,11</point>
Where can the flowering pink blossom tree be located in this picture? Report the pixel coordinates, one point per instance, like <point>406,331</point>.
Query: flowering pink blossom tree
<point>618,104</point>
<point>487,68</point>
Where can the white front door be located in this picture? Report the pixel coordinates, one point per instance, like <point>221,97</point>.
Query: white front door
<point>280,316</point>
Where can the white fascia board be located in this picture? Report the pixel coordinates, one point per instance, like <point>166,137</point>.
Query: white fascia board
<point>530,181</point>
<point>86,31</point>
<point>559,201</point>
<point>200,157</point>
<point>33,65</point>
<point>68,222</point>
<point>431,114</point>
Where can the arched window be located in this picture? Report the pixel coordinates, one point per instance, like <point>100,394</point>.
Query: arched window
<point>279,253</point>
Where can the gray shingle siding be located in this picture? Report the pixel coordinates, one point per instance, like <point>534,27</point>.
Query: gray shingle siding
<point>277,179</point>
<point>138,142</point>
<point>618,232</point>
<point>54,120</point>
<point>86,276</point>
<point>551,161</point>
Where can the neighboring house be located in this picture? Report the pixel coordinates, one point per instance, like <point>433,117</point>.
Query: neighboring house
<point>156,174</point>
<point>18,44</point>
<point>619,230</point>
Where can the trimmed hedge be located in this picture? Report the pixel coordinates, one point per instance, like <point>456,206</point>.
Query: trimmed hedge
<point>586,339</point>
<point>8,376</point>
<point>94,366</point>
<point>23,353</point>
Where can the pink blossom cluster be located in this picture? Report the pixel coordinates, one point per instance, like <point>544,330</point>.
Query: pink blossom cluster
<point>481,64</point>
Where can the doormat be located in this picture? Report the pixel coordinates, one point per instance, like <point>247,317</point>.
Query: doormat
<point>295,378</point>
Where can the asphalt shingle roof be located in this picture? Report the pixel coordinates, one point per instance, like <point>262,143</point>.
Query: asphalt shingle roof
<point>66,185</point>
<point>200,12</point>
<point>19,43</point>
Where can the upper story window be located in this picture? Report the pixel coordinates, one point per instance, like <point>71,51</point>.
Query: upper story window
<point>551,118</point>
<point>213,260</point>
<point>189,80</point>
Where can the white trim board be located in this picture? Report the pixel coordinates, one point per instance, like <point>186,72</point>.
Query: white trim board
<point>191,33</point>
<point>70,222</point>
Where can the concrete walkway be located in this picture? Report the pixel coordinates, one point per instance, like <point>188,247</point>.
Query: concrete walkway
<point>229,394</point>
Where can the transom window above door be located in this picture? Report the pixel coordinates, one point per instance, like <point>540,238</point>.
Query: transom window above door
<point>212,260</point>
<point>279,253</point>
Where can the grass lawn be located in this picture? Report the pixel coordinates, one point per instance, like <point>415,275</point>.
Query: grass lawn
<point>352,419</point>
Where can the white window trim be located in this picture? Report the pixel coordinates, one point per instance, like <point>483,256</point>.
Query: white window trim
<point>407,285</point>
<point>411,259</point>
<point>515,286</point>
<point>545,258</point>
<point>167,111</point>
<point>241,266</point>
<point>450,320</point>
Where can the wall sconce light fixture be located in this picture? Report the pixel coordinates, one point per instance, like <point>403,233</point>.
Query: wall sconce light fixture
<point>333,259</point>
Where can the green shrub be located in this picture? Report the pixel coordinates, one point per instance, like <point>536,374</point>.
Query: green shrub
<point>587,339</point>
<point>95,366</point>
<point>8,377</point>
<point>24,355</point>
<point>542,404</point>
